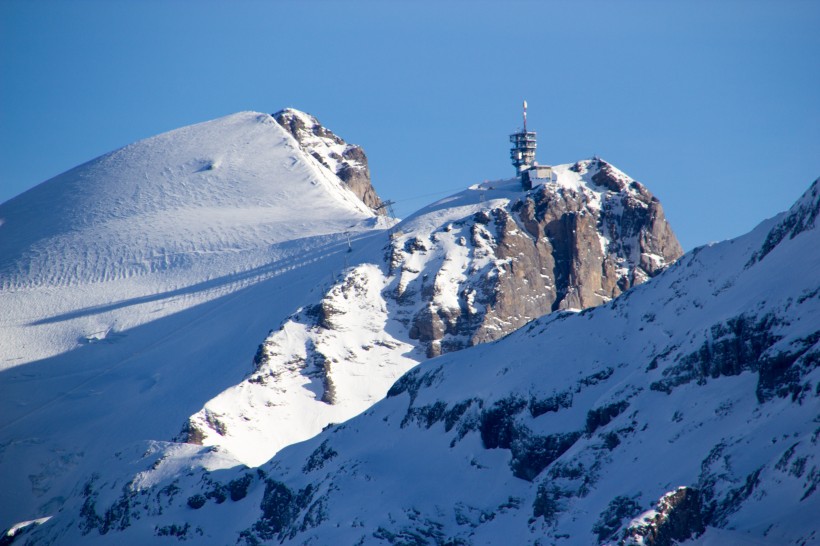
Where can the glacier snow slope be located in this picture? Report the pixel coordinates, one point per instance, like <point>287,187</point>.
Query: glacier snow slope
<point>138,285</point>
<point>177,218</point>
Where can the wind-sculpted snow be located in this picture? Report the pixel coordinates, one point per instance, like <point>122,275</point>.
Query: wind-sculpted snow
<point>684,410</point>
<point>216,187</point>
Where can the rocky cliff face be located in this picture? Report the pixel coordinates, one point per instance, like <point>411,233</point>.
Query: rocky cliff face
<point>573,244</point>
<point>347,161</point>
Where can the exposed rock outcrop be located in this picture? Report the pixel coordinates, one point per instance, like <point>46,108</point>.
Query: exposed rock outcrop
<point>573,244</point>
<point>455,277</point>
<point>347,161</point>
<point>677,518</point>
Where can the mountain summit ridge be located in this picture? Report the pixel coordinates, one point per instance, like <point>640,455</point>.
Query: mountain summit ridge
<point>347,161</point>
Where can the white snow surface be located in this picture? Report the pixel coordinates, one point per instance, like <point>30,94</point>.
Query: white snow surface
<point>312,376</point>
<point>159,226</point>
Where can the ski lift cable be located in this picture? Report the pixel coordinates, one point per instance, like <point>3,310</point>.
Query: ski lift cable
<point>419,196</point>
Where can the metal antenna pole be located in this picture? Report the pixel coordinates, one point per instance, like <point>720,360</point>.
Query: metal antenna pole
<point>525,116</point>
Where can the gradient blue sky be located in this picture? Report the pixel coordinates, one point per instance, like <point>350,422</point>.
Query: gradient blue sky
<point>715,106</point>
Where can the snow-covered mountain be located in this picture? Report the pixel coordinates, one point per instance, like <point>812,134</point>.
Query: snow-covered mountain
<point>682,412</point>
<point>214,203</point>
<point>141,289</point>
<point>136,290</point>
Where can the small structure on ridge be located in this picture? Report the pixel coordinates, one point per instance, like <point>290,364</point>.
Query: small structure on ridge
<point>522,155</point>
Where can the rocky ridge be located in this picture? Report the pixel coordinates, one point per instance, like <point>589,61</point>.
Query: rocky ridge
<point>346,161</point>
<point>573,244</point>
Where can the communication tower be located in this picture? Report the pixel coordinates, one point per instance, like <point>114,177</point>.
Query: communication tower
<point>522,152</point>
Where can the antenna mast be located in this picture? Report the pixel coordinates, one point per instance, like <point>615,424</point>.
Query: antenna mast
<point>522,153</point>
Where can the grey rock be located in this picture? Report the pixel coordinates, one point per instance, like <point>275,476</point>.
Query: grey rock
<point>350,166</point>
<point>556,248</point>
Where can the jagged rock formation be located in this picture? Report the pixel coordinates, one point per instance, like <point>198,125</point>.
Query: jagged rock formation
<point>676,518</point>
<point>347,161</point>
<point>574,244</point>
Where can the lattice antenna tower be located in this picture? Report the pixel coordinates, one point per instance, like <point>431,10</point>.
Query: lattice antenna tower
<point>522,152</point>
<point>391,232</point>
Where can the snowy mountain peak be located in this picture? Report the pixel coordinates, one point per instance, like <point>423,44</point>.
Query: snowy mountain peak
<point>209,201</point>
<point>486,261</point>
<point>597,175</point>
<point>229,279</point>
<point>347,161</point>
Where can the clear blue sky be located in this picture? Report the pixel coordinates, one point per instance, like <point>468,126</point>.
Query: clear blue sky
<point>715,106</point>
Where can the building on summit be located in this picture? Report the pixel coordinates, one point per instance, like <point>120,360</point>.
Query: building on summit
<point>522,155</point>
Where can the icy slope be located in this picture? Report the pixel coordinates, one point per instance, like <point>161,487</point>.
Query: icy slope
<point>138,286</point>
<point>686,409</point>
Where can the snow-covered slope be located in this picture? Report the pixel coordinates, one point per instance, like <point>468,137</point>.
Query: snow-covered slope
<point>208,202</point>
<point>683,410</point>
<point>138,286</point>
